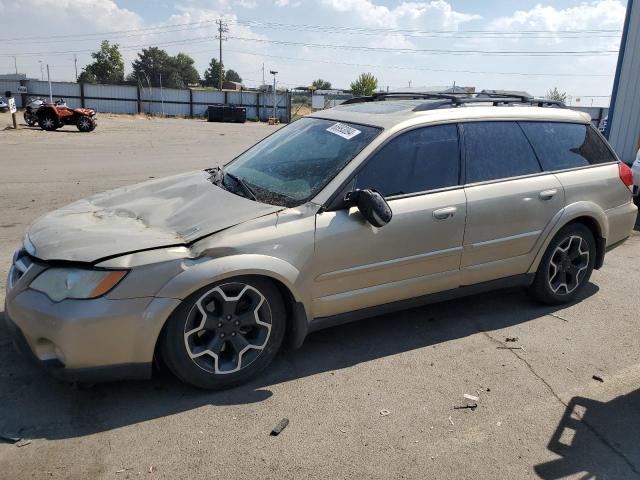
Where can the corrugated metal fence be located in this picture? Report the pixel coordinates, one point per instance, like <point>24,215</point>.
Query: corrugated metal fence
<point>168,101</point>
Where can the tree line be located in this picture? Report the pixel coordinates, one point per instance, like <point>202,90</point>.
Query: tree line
<point>153,67</point>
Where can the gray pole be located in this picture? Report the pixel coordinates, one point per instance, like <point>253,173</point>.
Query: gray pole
<point>161,94</point>
<point>275,115</point>
<point>75,60</point>
<point>49,80</point>
<point>41,71</point>
<point>15,64</point>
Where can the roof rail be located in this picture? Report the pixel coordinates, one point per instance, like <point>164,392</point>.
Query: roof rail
<point>496,97</point>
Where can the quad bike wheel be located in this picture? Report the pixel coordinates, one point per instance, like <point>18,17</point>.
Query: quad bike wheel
<point>48,122</point>
<point>30,119</point>
<point>86,124</point>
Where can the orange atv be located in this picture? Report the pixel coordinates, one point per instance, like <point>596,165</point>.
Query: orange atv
<point>52,116</point>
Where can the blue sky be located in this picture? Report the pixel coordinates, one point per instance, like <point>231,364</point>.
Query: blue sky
<point>367,35</point>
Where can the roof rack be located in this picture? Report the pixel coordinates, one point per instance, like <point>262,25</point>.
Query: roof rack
<point>448,100</point>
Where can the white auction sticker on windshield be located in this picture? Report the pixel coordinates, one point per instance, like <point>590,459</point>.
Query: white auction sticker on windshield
<point>344,131</point>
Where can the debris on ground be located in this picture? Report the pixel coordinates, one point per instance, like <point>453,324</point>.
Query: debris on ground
<point>451,421</point>
<point>282,424</point>
<point>471,407</point>
<point>23,443</point>
<point>599,379</point>
<point>471,397</point>
<point>569,369</point>
<point>558,317</point>
<point>151,469</point>
<point>384,412</point>
<point>9,438</point>
<point>511,339</point>
<point>512,348</point>
<point>122,470</point>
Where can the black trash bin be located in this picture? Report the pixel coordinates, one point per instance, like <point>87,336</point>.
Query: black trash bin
<point>226,113</point>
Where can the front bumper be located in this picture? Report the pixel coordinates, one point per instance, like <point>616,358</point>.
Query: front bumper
<point>91,340</point>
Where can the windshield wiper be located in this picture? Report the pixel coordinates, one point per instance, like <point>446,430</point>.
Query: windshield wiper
<point>240,182</point>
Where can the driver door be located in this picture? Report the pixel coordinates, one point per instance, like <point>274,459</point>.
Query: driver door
<point>419,251</point>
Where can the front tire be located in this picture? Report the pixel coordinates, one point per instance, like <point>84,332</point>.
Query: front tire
<point>226,333</point>
<point>86,124</point>
<point>566,266</point>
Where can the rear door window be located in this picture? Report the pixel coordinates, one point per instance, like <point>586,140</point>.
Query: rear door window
<point>416,161</point>
<point>566,145</point>
<point>496,150</point>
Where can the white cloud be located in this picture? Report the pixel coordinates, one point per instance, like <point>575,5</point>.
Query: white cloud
<point>600,14</point>
<point>436,12</point>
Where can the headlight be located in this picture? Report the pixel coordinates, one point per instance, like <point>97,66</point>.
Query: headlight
<point>61,283</point>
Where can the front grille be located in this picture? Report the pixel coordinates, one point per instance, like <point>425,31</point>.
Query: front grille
<point>22,262</point>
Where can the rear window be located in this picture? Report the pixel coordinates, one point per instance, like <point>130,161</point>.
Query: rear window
<point>566,145</point>
<point>496,150</point>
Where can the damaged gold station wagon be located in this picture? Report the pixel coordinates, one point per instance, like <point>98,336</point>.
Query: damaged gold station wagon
<point>382,203</point>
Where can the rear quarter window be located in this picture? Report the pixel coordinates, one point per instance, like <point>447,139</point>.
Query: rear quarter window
<point>496,150</point>
<point>566,145</point>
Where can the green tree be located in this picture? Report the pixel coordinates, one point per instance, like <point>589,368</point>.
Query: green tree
<point>212,74</point>
<point>87,77</point>
<point>321,84</point>
<point>555,94</point>
<point>151,65</point>
<point>232,76</point>
<point>182,65</point>
<point>108,66</point>
<point>154,65</point>
<point>364,85</point>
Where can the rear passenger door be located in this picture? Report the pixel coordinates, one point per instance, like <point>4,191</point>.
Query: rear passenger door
<point>510,201</point>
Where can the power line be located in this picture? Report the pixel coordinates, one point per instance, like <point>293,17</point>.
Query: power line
<point>536,53</point>
<point>320,28</point>
<point>398,67</point>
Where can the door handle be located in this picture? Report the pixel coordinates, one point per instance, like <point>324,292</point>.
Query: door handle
<point>444,213</point>
<point>548,194</point>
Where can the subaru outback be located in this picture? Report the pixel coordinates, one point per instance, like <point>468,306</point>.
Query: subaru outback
<point>382,203</point>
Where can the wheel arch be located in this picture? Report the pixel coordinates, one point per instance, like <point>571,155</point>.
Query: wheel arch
<point>47,109</point>
<point>202,272</point>
<point>586,213</point>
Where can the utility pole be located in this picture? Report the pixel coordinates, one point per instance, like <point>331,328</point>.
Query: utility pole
<point>41,70</point>
<point>75,60</point>
<point>15,64</point>
<point>222,29</point>
<point>49,80</point>
<point>275,116</point>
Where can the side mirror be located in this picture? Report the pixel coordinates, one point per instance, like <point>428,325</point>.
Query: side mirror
<point>371,205</point>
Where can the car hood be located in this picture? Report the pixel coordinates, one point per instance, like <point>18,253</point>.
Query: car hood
<point>171,211</point>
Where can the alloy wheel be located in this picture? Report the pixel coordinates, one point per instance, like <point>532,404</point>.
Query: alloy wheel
<point>84,124</point>
<point>568,265</point>
<point>48,123</point>
<point>228,328</point>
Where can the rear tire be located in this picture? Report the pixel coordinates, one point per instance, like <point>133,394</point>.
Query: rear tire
<point>30,119</point>
<point>86,124</point>
<point>566,266</point>
<point>226,333</point>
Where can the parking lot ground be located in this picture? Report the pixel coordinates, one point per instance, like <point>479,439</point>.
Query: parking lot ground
<point>540,413</point>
